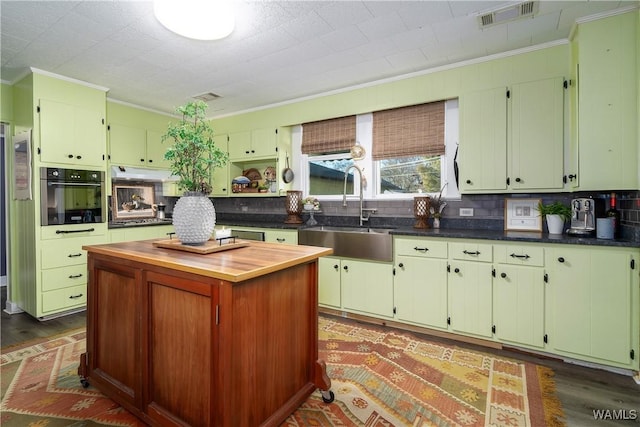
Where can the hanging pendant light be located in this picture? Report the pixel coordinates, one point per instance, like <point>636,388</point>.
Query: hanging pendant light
<point>196,19</point>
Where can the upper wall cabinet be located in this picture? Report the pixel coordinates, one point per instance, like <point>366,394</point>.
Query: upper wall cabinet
<point>608,104</point>
<point>512,138</point>
<point>71,135</point>
<point>255,144</point>
<point>136,146</point>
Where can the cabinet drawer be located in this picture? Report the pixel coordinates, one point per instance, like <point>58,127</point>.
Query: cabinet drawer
<point>519,255</point>
<point>420,247</point>
<point>63,299</point>
<point>64,232</point>
<point>63,277</point>
<point>289,237</point>
<point>55,253</point>
<point>471,251</point>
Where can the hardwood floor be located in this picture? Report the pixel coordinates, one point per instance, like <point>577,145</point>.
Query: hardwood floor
<point>581,390</point>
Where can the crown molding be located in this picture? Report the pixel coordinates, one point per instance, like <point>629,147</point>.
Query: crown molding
<point>67,79</point>
<point>140,107</point>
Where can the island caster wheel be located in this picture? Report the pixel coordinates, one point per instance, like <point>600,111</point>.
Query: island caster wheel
<point>84,383</point>
<point>327,396</point>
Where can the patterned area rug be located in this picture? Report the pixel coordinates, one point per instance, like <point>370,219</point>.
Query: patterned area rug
<point>380,377</point>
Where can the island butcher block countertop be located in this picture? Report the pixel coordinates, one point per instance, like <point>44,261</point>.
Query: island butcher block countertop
<point>234,265</point>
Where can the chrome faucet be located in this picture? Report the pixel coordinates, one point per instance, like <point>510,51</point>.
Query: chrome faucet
<point>344,194</point>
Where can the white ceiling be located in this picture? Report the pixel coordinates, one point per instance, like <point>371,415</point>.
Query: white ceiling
<point>279,50</point>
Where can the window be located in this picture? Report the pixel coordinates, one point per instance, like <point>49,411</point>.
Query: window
<point>394,168</point>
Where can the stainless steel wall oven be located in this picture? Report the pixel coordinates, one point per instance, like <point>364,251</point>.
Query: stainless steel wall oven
<point>71,196</point>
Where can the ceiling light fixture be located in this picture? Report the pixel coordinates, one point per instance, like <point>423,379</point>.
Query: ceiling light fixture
<point>196,19</point>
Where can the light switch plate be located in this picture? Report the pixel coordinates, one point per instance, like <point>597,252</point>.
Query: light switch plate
<point>466,211</point>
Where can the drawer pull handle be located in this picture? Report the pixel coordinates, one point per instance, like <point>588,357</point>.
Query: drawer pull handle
<point>420,249</point>
<point>466,252</point>
<point>74,255</point>
<point>401,265</point>
<point>520,256</point>
<point>281,240</point>
<point>345,268</point>
<point>75,296</point>
<point>560,259</point>
<point>87,230</point>
<point>456,270</point>
<point>75,276</point>
<point>336,267</point>
<point>503,275</point>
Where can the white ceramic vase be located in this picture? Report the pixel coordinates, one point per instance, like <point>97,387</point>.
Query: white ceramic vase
<point>436,222</point>
<point>194,218</point>
<point>555,224</point>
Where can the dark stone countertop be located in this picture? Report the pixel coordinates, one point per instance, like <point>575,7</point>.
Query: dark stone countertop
<point>404,227</point>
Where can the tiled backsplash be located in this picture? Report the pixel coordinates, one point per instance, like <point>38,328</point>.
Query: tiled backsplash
<point>488,209</point>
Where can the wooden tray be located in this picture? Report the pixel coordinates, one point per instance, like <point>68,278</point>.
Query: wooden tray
<point>209,247</point>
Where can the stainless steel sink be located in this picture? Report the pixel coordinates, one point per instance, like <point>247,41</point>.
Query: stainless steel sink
<point>351,242</point>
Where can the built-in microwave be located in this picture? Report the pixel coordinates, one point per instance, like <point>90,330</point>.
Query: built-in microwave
<point>71,196</point>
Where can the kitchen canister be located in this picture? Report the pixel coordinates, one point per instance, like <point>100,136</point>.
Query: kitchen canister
<point>604,228</point>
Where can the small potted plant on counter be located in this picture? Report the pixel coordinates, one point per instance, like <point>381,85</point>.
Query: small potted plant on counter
<point>556,215</point>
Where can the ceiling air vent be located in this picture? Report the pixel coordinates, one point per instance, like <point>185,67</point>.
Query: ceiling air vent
<point>510,13</point>
<point>206,97</point>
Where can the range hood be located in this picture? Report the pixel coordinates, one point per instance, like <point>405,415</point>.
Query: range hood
<point>141,174</point>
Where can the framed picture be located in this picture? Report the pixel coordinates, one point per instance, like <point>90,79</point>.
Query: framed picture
<point>22,166</point>
<point>133,201</point>
<point>522,215</point>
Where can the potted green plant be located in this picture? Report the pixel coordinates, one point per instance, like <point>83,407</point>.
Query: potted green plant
<point>556,214</point>
<point>192,158</point>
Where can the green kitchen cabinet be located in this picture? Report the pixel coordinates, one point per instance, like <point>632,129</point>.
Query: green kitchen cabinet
<point>367,287</point>
<point>359,286</point>
<point>608,133</point>
<point>329,283</point>
<point>140,233</point>
<point>536,135</point>
<point>483,141</point>
<point>593,304</point>
<point>254,144</point>
<point>518,294</point>
<point>156,149</point>
<point>512,138</point>
<point>420,281</point>
<point>71,134</point>
<point>136,146</point>
<point>287,237</point>
<point>469,287</point>
<point>220,182</point>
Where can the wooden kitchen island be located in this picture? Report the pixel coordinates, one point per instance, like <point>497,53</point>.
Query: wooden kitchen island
<point>222,339</point>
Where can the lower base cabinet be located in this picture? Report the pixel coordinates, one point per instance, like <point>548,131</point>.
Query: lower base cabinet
<point>593,304</point>
<point>470,303</point>
<point>364,286</point>
<point>518,305</point>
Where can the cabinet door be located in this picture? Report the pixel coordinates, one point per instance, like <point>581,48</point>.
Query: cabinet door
<point>518,305</point>
<point>57,132</point>
<point>483,141</point>
<point>367,287</point>
<point>127,145</point>
<point>156,149</point>
<point>600,288</point>
<point>420,291</point>
<point>115,350</point>
<point>71,135</point>
<point>329,282</point>
<point>469,288</point>
<point>240,145</point>
<point>536,135</point>
<point>264,142</point>
<point>608,107</point>
<point>220,180</point>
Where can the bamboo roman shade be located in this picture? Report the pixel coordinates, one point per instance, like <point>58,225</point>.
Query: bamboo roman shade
<point>417,130</point>
<point>329,136</point>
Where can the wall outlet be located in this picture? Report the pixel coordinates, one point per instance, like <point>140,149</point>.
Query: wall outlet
<point>244,208</point>
<point>466,212</point>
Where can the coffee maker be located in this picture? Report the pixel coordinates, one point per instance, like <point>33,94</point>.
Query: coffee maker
<point>583,216</point>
